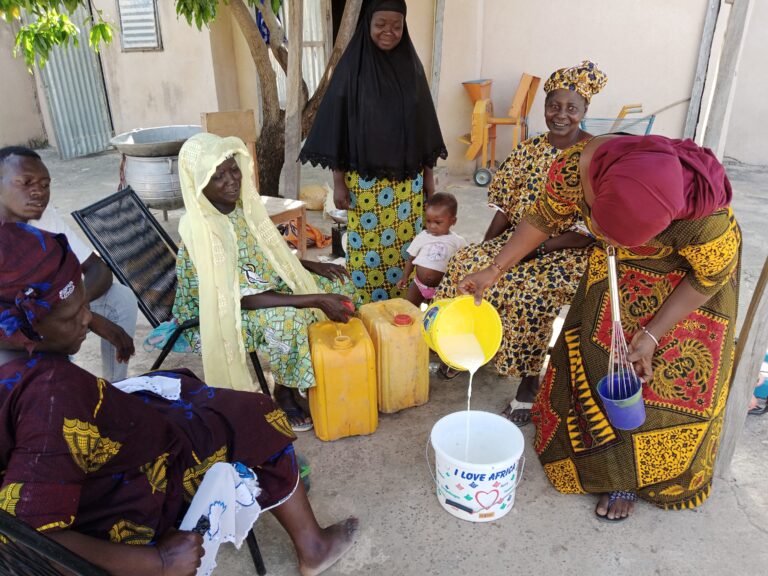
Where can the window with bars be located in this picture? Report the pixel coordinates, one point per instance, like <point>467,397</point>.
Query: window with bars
<point>139,27</point>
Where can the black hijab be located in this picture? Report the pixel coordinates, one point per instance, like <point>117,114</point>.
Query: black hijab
<point>377,117</point>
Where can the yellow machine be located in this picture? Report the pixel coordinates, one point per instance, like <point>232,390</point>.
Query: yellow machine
<point>483,128</point>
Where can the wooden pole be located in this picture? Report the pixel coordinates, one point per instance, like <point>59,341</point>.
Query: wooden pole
<point>705,50</point>
<point>437,49</point>
<point>725,85</point>
<point>750,350</point>
<point>293,104</point>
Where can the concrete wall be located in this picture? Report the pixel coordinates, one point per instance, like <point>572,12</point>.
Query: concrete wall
<point>421,24</point>
<point>156,88</point>
<point>20,118</point>
<point>648,50</point>
<point>745,140</point>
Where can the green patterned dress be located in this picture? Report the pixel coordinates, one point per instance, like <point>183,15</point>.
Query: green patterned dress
<point>384,217</point>
<point>279,333</point>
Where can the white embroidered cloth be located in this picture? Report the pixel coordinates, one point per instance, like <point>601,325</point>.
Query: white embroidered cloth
<point>168,388</point>
<point>227,497</point>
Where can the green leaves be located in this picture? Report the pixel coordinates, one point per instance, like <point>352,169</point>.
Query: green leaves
<point>47,24</point>
<point>101,32</point>
<point>198,12</point>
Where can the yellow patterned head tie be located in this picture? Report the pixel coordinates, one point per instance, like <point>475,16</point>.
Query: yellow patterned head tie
<point>586,79</point>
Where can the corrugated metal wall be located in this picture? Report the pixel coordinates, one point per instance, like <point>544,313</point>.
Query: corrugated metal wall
<point>74,88</point>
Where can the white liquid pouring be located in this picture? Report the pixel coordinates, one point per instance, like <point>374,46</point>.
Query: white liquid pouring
<point>465,351</point>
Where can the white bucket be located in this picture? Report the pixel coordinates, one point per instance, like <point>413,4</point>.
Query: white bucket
<point>481,486</point>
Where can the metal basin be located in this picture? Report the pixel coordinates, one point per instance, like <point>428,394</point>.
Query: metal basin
<point>338,216</point>
<point>150,142</point>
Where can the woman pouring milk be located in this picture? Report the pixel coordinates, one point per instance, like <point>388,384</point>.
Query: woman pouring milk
<point>665,205</point>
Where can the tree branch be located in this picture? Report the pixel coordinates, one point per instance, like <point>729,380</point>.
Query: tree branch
<point>270,104</point>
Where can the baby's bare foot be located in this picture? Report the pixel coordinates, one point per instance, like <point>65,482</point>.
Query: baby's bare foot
<point>335,542</point>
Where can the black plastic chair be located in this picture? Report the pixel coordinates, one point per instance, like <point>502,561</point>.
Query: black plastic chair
<point>24,550</point>
<point>142,256</point>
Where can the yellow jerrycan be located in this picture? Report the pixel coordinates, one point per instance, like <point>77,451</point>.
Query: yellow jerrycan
<point>402,355</point>
<point>343,400</point>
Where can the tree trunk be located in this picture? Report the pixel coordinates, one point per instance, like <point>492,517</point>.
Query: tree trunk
<point>271,144</point>
<point>270,150</point>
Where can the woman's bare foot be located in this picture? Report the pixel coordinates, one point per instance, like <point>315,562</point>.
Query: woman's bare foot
<point>519,410</point>
<point>333,544</point>
<point>615,506</point>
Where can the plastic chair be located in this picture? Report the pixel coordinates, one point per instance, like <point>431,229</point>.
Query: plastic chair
<point>638,126</point>
<point>24,550</point>
<point>142,256</point>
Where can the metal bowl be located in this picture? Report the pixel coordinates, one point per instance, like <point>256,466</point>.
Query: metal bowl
<point>160,141</point>
<point>338,216</point>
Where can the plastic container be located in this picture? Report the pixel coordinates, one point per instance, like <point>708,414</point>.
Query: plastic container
<point>460,316</point>
<point>625,413</point>
<point>476,480</point>
<point>343,401</point>
<point>402,355</point>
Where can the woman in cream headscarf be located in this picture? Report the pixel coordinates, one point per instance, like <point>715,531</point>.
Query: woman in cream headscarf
<point>530,295</point>
<point>238,275</point>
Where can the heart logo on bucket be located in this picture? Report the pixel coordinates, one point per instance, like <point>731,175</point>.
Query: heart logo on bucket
<point>486,499</point>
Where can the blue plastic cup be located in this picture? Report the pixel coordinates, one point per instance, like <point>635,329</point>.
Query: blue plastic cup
<point>625,412</point>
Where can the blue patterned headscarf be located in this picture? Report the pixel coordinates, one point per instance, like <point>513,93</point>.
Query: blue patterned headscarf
<point>37,270</point>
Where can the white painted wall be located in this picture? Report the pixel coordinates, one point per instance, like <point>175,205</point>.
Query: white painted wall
<point>648,50</point>
<point>157,88</point>
<point>20,118</point>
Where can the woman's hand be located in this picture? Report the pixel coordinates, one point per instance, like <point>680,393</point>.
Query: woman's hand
<point>641,350</point>
<point>327,270</point>
<point>478,282</point>
<point>115,335</point>
<point>340,191</point>
<point>337,307</point>
<point>180,553</point>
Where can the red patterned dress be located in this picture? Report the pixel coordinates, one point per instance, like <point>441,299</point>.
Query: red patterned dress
<point>669,460</point>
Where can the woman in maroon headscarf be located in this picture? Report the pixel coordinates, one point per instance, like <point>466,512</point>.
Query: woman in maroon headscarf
<point>110,474</point>
<point>664,204</point>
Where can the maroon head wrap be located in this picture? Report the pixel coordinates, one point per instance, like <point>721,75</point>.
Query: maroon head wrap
<point>37,270</point>
<point>643,183</point>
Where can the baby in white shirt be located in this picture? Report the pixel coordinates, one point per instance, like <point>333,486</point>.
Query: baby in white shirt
<point>432,248</point>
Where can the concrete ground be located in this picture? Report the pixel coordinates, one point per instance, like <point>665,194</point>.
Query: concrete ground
<point>384,478</point>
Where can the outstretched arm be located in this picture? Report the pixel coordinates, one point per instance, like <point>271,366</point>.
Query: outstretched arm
<point>175,554</point>
<point>337,307</point>
<point>524,240</point>
<point>683,300</point>
<point>97,277</point>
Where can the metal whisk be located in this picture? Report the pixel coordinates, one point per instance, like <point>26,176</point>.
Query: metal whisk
<point>622,379</point>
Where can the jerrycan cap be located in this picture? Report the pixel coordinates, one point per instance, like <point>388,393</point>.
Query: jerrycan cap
<point>402,320</point>
<point>342,342</point>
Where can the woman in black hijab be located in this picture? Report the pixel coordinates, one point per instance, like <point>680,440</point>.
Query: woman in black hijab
<point>377,129</point>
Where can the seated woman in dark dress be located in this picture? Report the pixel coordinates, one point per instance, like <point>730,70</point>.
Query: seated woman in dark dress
<point>109,474</point>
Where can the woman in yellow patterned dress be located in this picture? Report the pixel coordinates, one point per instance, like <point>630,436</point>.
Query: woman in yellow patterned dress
<point>377,129</point>
<point>236,273</point>
<point>530,295</point>
<point>665,205</point>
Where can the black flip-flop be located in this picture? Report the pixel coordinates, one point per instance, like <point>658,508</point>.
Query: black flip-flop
<point>759,410</point>
<point>298,413</point>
